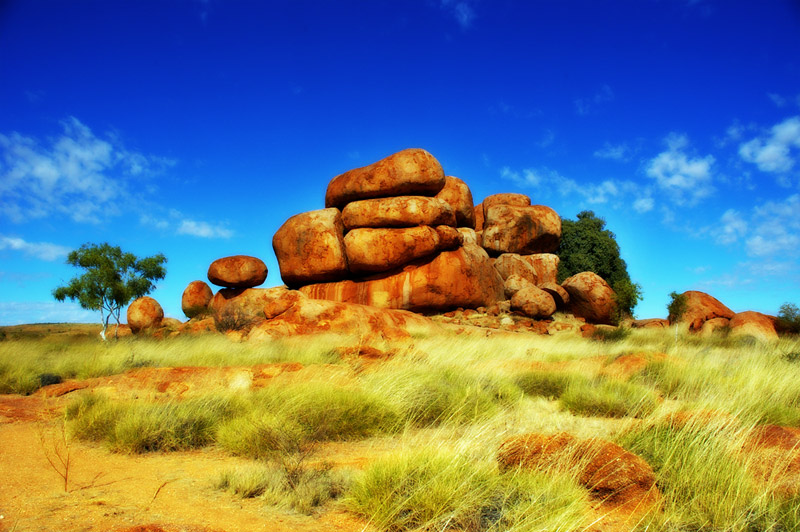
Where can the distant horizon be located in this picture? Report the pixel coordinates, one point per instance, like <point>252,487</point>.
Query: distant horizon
<point>195,129</point>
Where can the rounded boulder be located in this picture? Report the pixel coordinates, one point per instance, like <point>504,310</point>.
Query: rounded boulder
<point>522,230</point>
<point>457,194</point>
<point>143,314</point>
<point>195,299</point>
<point>372,250</point>
<point>533,302</point>
<point>591,298</point>
<point>237,271</point>
<point>400,211</point>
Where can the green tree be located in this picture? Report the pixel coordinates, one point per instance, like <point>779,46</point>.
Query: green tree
<point>111,279</point>
<point>676,307</point>
<point>587,246</point>
<point>789,318</point>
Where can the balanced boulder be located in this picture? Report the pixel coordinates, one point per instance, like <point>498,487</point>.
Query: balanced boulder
<point>143,314</point>
<point>310,248</point>
<point>372,250</point>
<point>237,271</point>
<point>591,298</point>
<point>457,194</point>
<point>412,172</point>
<point>195,299</point>
<point>400,211</point>
<point>523,230</point>
<point>505,198</point>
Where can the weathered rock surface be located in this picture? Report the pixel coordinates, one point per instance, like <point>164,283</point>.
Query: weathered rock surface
<point>400,211</point>
<point>590,297</point>
<point>449,237</point>
<point>143,314</point>
<point>509,264</point>
<point>379,250</point>
<point>469,236</point>
<point>558,293</point>
<point>458,195</point>
<point>701,307</point>
<point>479,217</point>
<point>750,323</point>
<point>241,308</point>
<point>310,248</point>
<point>315,316</point>
<point>412,172</point>
<point>650,323</point>
<point>460,278</point>
<point>195,299</point>
<point>523,230</point>
<point>237,271</point>
<point>533,302</point>
<point>513,284</point>
<point>714,325</point>
<point>545,265</point>
<point>505,198</point>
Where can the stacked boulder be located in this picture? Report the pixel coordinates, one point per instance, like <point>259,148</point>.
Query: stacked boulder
<point>392,235</point>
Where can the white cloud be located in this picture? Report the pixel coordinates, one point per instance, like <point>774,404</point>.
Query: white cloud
<point>732,227</point>
<point>777,99</point>
<point>684,178</point>
<point>776,229</point>
<point>642,205</point>
<point>77,175</point>
<point>584,106</point>
<point>40,250</point>
<point>773,152</point>
<point>203,230</point>
<point>461,10</point>
<point>618,152</point>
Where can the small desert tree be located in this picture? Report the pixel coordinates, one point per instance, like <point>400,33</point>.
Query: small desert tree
<point>111,279</point>
<point>789,318</point>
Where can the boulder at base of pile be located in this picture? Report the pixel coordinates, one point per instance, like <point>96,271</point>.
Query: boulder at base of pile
<point>460,278</point>
<point>533,302</point>
<point>591,298</point>
<point>701,307</point>
<point>144,314</point>
<point>196,298</point>
<point>238,271</point>
<point>750,323</point>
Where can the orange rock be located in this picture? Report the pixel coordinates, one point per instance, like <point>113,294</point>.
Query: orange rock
<point>545,265</point>
<point>509,264</point>
<point>712,326</point>
<point>505,198</point>
<point>701,307</point>
<point>412,172</point>
<point>469,236</point>
<point>533,302</point>
<point>755,324</point>
<point>523,230</point>
<point>457,194</point>
<point>198,326</point>
<point>558,293</point>
<point>590,297</point>
<point>513,284</point>
<point>399,211</point>
<point>315,316</point>
<point>143,314</point>
<point>372,250</point>
<point>238,271</point>
<point>460,278</point>
<point>242,308</point>
<point>650,323</point>
<point>310,248</point>
<point>195,299</point>
<point>479,218</point>
<point>449,237</point>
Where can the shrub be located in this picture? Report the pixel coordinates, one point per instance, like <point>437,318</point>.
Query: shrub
<point>608,398</point>
<point>789,318</point>
<point>549,384</point>
<point>676,307</point>
<point>617,334</point>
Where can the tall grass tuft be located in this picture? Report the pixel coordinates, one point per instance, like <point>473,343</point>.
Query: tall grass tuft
<point>608,398</point>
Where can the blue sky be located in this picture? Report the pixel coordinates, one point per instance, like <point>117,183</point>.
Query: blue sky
<point>195,128</point>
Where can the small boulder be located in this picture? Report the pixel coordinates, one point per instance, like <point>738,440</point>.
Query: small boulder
<point>545,265</point>
<point>458,195</point>
<point>195,299</point>
<point>372,250</point>
<point>412,172</point>
<point>400,211</point>
<point>558,293</point>
<point>310,248</point>
<point>144,314</point>
<point>509,264</point>
<point>533,302</point>
<point>701,307</point>
<point>591,298</point>
<point>750,323</point>
<point>505,198</point>
<point>715,326</point>
<point>240,309</point>
<point>513,284</point>
<point>523,230</point>
<point>237,271</point>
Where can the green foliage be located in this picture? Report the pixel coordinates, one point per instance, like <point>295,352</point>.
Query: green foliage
<point>616,334</point>
<point>789,318</point>
<point>676,307</point>
<point>608,398</point>
<point>548,384</point>
<point>111,279</point>
<point>587,246</point>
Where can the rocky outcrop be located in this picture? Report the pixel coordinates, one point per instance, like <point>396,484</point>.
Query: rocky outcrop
<point>754,324</point>
<point>523,230</point>
<point>533,302</point>
<point>459,278</point>
<point>196,298</point>
<point>411,172</point>
<point>144,314</point>
<point>591,298</point>
<point>380,250</point>
<point>399,211</point>
<point>457,194</point>
<point>310,248</point>
<point>701,307</point>
<point>238,271</point>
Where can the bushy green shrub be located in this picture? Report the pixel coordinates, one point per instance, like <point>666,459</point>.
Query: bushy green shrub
<point>542,383</point>
<point>616,334</point>
<point>676,307</point>
<point>789,318</point>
